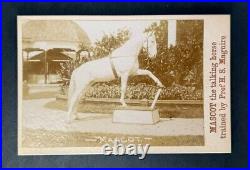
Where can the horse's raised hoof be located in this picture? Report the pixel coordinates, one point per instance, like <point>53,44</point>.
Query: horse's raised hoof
<point>160,85</point>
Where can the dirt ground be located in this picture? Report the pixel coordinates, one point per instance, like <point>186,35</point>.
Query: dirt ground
<point>45,125</point>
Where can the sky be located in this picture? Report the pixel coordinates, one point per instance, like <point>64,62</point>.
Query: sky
<point>96,29</point>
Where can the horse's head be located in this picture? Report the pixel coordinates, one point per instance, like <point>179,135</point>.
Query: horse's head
<point>150,44</point>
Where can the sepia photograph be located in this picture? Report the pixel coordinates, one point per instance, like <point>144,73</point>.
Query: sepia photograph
<point>122,84</point>
<point>156,81</point>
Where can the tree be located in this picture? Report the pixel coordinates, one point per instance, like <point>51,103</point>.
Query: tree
<point>109,42</point>
<point>172,65</point>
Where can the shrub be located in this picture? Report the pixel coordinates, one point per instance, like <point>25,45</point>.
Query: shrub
<point>144,91</point>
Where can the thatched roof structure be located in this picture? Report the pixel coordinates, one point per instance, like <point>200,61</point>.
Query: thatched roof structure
<point>54,30</point>
<point>51,55</point>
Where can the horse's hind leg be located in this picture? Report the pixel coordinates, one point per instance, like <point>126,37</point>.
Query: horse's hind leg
<point>72,105</point>
<point>74,100</point>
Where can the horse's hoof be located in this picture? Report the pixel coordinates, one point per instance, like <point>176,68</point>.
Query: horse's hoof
<point>71,119</point>
<point>77,118</point>
<point>124,105</point>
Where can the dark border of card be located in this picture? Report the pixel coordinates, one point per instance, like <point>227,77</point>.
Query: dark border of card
<point>239,81</point>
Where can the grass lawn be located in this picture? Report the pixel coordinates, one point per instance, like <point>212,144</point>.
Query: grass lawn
<point>166,111</point>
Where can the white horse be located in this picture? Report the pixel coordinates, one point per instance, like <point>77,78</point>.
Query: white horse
<point>122,62</point>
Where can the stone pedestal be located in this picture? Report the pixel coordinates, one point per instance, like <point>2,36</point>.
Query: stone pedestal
<point>136,115</point>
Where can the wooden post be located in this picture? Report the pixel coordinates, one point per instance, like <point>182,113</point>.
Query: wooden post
<point>27,65</point>
<point>27,56</point>
<point>171,33</point>
<point>45,67</point>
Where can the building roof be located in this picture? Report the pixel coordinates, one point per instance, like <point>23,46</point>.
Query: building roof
<point>54,30</point>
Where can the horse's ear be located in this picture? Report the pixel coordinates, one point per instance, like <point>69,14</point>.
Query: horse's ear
<point>148,33</point>
<point>152,33</point>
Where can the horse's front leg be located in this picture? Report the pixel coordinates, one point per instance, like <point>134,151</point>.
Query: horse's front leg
<point>151,75</point>
<point>124,81</point>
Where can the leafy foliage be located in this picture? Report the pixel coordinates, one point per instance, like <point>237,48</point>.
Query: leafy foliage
<point>109,42</point>
<point>178,67</point>
<point>180,64</point>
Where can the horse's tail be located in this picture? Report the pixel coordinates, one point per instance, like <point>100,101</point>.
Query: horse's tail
<point>71,87</point>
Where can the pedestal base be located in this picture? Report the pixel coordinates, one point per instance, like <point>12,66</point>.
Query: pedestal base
<point>138,115</point>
